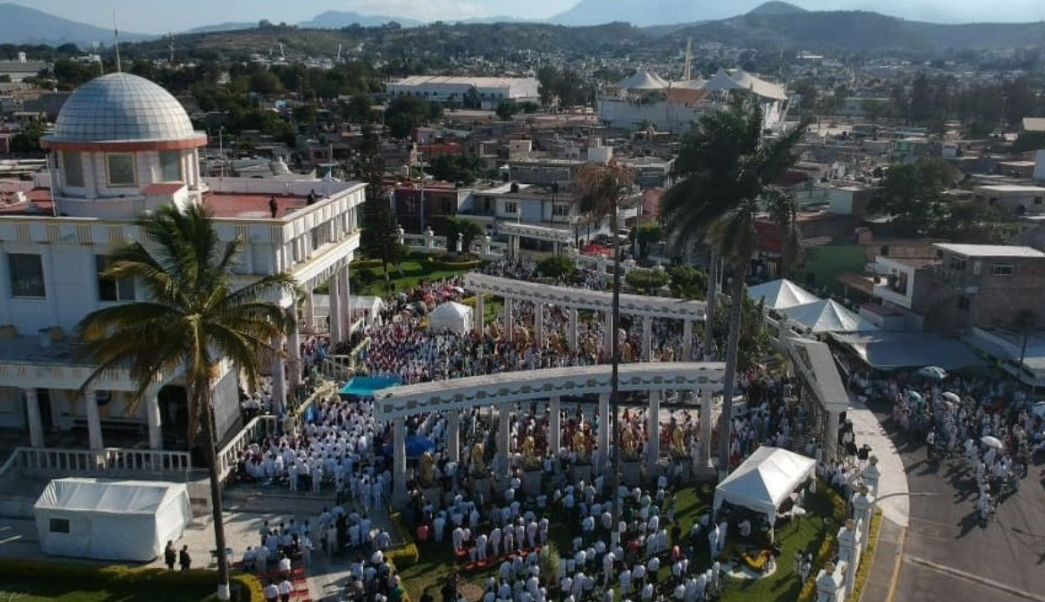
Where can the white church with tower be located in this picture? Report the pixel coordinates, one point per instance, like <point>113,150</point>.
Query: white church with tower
<point>122,146</point>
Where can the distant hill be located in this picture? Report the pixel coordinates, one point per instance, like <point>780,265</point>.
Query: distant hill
<point>336,19</point>
<point>642,13</point>
<point>858,30</point>
<point>228,26</point>
<point>775,7</point>
<point>23,25</point>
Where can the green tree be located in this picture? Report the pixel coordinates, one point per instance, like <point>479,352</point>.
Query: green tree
<point>647,235</point>
<point>27,142</point>
<point>730,175</point>
<point>913,194</point>
<point>380,236</point>
<point>557,266</point>
<point>265,82</point>
<point>405,113</point>
<point>358,110</point>
<point>687,282</point>
<point>599,190</point>
<point>455,168</point>
<point>507,109</point>
<point>466,229</point>
<point>647,281</point>
<point>472,99</point>
<point>194,320</point>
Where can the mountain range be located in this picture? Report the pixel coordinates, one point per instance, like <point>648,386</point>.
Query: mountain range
<point>774,25</point>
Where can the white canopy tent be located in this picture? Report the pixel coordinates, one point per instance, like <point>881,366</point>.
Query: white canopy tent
<point>765,480</point>
<point>781,294</point>
<point>643,80</point>
<point>110,520</point>
<point>452,316</point>
<point>826,316</point>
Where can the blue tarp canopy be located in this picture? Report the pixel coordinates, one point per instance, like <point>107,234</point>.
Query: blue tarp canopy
<point>415,446</point>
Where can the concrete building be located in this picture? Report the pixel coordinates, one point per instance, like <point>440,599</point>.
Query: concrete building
<point>123,146</point>
<point>963,286</point>
<point>492,91</point>
<point>21,68</point>
<point>1015,199</point>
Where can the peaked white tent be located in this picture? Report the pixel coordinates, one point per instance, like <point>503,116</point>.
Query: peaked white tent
<point>781,294</point>
<point>765,480</point>
<point>826,316</point>
<point>452,316</point>
<point>110,520</point>
<point>643,80</point>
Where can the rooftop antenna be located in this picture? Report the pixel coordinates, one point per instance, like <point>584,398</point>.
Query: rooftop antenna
<point>338,61</point>
<point>687,73</point>
<point>116,41</point>
<point>170,47</point>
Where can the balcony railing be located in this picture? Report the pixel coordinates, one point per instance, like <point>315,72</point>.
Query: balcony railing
<point>42,461</point>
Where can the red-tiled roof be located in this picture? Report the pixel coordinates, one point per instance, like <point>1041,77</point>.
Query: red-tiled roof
<point>39,204</point>
<point>162,189</point>
<point>252,206</point>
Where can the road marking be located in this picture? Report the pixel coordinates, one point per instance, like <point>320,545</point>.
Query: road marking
<point>974,578</point>
<point>897,564</point>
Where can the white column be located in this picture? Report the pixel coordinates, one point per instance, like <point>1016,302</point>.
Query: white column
<point>279,380</point>
<point>504,437</point>
<point>346,305</point>
<point>36,426</point>
<point>152,418</point>
<point>310,311</point>
<point>603,434</point>
<point>653,427</point>
<point>554,425</point>
<point>399,460</point>
<point>94,419</point>
<point>647,338</point>
<point>453,436</point>
<point>294,348</point>
<point>477,316</point>
<point>334,309</point>
<point>706,408</point>
<point>508,320</point>
<point>687,340</point>
<point>538,322</point>
<point>571,332</point>
<point>607,339</point>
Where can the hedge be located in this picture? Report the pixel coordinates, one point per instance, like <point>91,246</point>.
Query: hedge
<point>829,547</point>
<point>245,588</point>
<point>364,264</point>
<point>468,264</point>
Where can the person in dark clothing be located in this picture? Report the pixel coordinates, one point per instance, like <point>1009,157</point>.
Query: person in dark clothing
<point>311,198</point>
<point>273,205</point>
<point>170,555</point>
<point>184,559</point>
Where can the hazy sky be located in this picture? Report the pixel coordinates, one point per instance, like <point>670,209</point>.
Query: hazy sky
<point>157,16</point>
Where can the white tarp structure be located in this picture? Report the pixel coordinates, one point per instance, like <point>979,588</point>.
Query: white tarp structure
<point>765,480</point>
<point>781,294</point>
<point>110,520</point>
<point>826,316</point>
<point>452,316</point>
<point>643,80</point>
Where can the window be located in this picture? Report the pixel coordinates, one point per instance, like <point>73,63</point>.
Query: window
<point>511,207</point>
<point>170,166</point>
<point>1038,200</point>
<point>884,251</point>
<point>72,166</point>
<point>58,525</point>
<point>121,170</point>
<point>110,289</point>
<point>27,275</point>
<point>560,210</point>
<point>1001,269</point>
<point>956,263</point>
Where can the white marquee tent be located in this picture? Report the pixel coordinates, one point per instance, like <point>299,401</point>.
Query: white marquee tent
<point>110,520</point>
<point>781,294</point>
<point>826,316</point>
<point>765,480</point>
<point>452,316</point>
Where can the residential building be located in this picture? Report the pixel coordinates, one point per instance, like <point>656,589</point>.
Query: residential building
<point>123,146</point>
<point>491,91</point>
<point>963,286</point>
<point>1015,199</point>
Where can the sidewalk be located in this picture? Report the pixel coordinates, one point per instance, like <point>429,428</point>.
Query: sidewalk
<point>885,570</point>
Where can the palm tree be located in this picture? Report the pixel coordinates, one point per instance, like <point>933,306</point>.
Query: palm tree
<point>728,179</point>
<point>193,319</point>
<point>599,190</point>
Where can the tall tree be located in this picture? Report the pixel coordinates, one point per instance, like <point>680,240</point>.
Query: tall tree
<point>380,236</point>
<point>730,176</point>
<point>599,190</point>
<point>193,320</point>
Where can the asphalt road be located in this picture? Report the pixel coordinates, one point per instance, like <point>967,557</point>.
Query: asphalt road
<point>948,556</point>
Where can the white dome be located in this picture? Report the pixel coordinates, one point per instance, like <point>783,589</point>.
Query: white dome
<point>120,107</point>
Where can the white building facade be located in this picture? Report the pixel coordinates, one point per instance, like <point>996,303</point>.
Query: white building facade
<point>123,146</point>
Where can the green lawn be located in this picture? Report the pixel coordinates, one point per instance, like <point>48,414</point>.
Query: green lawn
<point>60,590</point>
<point>404,277</point>
<point>436,560</point>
